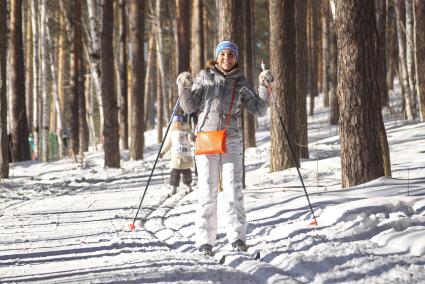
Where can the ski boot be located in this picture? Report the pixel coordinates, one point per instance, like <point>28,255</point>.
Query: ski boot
<point>206,249</point>
<point>239,245</point>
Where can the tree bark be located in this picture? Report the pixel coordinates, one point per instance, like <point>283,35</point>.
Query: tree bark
<point>4,140</point>
<point>301,68</point>
<point>20,146</point>
<point>75,85</point>
<point>123,113</point>
<point>391,48</point>
<point>325,51</point>
<point>410,54</point>
<point>381,8</point>
<point>401,19</point>
<point>36,80</point>
<point>57,109</point>
<point>282,58</point>
<point>358,92</point>
<point>159,102</point>
<point>95,55</point>
<point>333,99</point>
<point>249,120</point>
<point>420,55</point>
<point>150,89</point>
<point>82,109</point>
<point>137,89</point>
<point>314,47</point>
<point>197,41</point>
<point>183,35</point>
<point>28,64</point>
<point>109,100</point>
<point>160,57</point>
<point>45,83</point>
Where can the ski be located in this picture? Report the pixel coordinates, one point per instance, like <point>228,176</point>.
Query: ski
<point>221,257</point>
<point>237,254</point>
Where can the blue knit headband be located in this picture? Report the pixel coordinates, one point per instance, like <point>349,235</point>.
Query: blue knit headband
<point>226,45</point>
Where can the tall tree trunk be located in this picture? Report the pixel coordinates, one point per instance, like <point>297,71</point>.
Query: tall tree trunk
<point>110,125</point>
<point>28,64</point>
<point>282,58</point>
<point>325,50</point>
<point>160,56</point>
<point>95,56</point>
<point>410,54</point>
<point>159,102</point>
<point>381,8</point>
<point>4,140</point>
<point>123,99</point>
<point>229,24</point>
<point>137,89</point>
<point>183,35</point>
<point>197,40</point>
<point>82,109</point>
<point>149,85</point>
<point>301,68</point>
<point>75,85</point>
<point>57,108</point>
<point>391,47</point>
<point>314,47</point>
<point>333,99</point>
<point>90,109</point>
<point>249,120</point>
<point>210,15</point>
<point>401,35</point>
<point>45,83</point>
<point>358,92</point>
<point>36,80</point>
<point>420,55</point>
<point>62,60</point>
<point>20,146</point>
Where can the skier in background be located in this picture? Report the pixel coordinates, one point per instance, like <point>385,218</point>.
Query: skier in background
<point>179,142</point>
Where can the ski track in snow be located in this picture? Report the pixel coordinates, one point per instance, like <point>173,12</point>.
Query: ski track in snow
<point>66,223</point>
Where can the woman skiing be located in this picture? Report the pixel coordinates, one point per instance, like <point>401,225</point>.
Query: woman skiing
<point>221,87</point>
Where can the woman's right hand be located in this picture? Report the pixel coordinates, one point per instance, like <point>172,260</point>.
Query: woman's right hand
<point>184,80</point>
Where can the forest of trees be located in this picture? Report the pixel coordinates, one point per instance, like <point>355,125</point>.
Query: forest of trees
<point>81,73</point>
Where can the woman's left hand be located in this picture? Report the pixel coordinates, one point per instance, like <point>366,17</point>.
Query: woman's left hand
<point>266,78</point>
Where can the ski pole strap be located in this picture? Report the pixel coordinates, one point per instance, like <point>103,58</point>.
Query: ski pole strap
<point>231,104</point>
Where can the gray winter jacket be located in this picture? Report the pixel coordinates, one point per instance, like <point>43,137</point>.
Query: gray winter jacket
<point>211,95</point>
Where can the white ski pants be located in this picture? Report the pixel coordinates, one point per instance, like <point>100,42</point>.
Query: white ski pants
<point>209,167</point>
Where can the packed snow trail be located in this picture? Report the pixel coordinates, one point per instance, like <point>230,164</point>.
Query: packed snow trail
<point>61,222</point>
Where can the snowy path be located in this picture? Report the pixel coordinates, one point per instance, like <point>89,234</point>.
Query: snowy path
<point>62,223</point>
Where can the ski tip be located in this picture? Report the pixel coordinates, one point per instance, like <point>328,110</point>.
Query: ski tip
<point>257,256</point>
<point>314,222</point>
<point>222,259</point>
<point>131,227</point>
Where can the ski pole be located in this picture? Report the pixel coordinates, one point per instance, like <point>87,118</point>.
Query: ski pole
<point>263,67</point>
<point>154,165</point>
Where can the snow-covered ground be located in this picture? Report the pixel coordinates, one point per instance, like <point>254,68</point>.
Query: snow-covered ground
<point>62,222</point>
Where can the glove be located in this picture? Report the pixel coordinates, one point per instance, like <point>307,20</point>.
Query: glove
<point>266,78</point>
<point>184,80</point>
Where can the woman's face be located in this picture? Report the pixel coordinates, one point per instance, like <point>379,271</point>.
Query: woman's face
<point>226,59</point>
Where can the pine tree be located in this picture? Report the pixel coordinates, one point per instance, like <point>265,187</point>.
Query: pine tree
<point>111,127</point>
<point>4,141</point>
<point>358,92</point>
<point>283,64</point>
<point>137,89</point>
<point>20,145</point>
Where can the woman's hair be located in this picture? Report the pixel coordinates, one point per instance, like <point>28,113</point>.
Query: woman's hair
<point>212,63</point>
